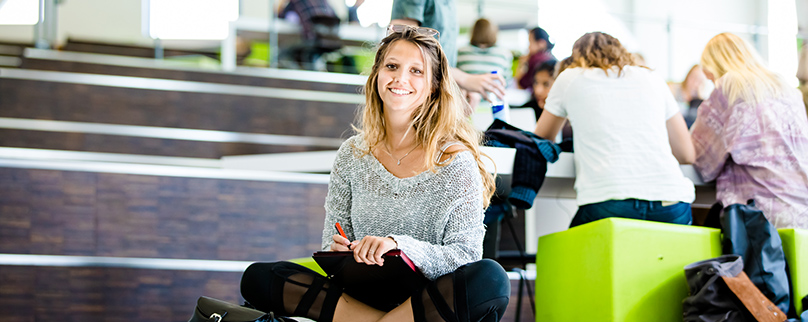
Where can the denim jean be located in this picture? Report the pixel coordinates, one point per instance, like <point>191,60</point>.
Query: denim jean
<point>678,213</point>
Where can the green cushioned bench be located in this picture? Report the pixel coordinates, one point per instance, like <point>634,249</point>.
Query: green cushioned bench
<point>618,269</point>
<point>795,246</point>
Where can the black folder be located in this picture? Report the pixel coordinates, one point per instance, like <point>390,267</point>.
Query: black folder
<point>382,287</point>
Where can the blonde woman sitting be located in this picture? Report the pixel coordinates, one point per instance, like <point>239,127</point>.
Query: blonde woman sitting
<point>751,134</point>
<point>412,179</point>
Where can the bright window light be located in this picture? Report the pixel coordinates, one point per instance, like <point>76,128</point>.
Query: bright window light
<point>783,39</point>
<point>565,26</point>
<point>375,11</point>
<point>191,19</point>
<point>19,12</point>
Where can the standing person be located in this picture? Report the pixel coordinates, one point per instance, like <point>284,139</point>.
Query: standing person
<point>483,56</point>
<point>751,134</point>
<point>538,53</point>
<point>441,15</point>
<point>412,179</point>
<point>628,138</point>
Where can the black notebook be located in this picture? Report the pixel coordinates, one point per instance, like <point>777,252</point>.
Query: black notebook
<point>383,287</point>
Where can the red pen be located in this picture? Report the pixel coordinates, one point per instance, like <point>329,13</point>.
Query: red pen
<point>339,229</point>
<point>342,233</point>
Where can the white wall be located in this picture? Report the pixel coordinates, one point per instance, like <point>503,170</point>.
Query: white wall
<point>691,29</point>
<point>102,20</point>
<point>17,34</point>
<point>642,26</point>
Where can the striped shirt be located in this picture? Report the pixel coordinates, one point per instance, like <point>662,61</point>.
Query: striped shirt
<point>476,60</point>
<point>756,151</point>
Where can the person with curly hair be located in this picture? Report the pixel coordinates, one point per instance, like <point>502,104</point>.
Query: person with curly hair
<point>629,135</point>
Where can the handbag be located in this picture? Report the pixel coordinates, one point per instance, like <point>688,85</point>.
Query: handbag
<point>212,310</point>
<point>720,291</point>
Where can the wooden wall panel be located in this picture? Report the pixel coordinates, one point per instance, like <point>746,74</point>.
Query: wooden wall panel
<point>97,294</point>
<point>114,105</point>
<point>101,214</point>
<point>197,76</point>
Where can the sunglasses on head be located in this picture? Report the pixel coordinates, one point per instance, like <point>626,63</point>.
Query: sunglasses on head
<point>420,30</point>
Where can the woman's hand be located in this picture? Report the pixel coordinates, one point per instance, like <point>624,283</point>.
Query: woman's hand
<point>370,249</point>
<point>480,83</point>
<point>341,244</point>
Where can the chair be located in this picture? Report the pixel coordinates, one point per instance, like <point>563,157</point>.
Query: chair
<point>795,247</point>
<point>618,269</point>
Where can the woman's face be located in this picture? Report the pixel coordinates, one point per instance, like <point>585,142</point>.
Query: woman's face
<point>402,82</point>
<point>536,46</point>
<point>542,82</point>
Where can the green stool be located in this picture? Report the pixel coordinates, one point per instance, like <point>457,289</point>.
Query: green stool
<point>309,263</point>
<point>618,269</point>
<point>795,246</point>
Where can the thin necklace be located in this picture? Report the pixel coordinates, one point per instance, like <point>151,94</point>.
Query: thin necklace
<point>402,158</point>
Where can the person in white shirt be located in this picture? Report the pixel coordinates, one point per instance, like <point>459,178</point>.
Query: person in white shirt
<point>629,135</point>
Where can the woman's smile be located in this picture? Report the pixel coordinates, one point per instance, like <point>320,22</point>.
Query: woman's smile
<point>400,91</point>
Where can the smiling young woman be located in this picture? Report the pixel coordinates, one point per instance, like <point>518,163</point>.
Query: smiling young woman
<point>412,179</point>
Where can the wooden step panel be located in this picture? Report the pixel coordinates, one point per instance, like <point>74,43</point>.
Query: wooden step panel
<point>120,215</point>
<point>115,105</point>
<point>138,145</point>
<point>197,76</point>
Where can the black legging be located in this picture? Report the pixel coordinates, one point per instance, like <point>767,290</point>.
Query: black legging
<point>290,289</point>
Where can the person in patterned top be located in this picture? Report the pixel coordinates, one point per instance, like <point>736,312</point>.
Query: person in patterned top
<point>751,134</point>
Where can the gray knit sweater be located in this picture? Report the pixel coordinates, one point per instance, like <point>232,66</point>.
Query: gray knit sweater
<point>436,218</point>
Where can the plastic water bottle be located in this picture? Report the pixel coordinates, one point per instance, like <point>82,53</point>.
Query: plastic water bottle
<point>499,107</point>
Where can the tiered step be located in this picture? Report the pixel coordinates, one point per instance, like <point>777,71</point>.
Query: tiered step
<point>10,55</point>
<point>128,213</point>
<point>122,114</point>
<point>103,64</point>
<point>94,240</point>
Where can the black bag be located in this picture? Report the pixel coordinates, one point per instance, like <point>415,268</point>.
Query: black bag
<point>747,233</point>
<point>721,292</point>
<point>213,310</point>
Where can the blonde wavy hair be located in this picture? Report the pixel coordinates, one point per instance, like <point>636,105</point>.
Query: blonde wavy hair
<point>739,70</point>
<point>439,120</point>
<point>600,50</point>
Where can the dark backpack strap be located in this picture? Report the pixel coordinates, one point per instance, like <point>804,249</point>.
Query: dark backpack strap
<point>308,299</point>
<point>713,219</point>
